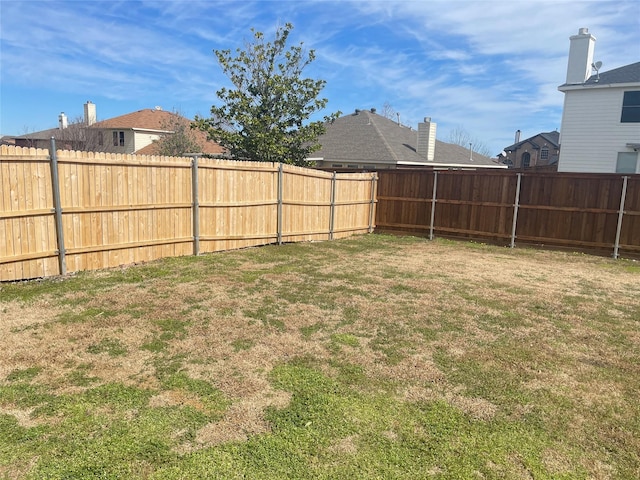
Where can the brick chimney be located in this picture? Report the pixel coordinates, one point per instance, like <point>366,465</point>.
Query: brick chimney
<point>426,139</point>
<point>89,113</point>
<point>581,49</point>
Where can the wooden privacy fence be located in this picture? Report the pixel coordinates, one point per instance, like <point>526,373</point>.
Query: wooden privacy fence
<point>586,212</point>
<point>64,211</point>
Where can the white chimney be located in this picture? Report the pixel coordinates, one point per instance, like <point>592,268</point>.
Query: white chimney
<point>517,136</point>
<point>580,56</point>
<point>62,121</point>
<point>426,147</point>
<point>89,113</point>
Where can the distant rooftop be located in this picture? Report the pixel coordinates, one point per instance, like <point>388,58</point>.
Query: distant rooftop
<point>366,136</point>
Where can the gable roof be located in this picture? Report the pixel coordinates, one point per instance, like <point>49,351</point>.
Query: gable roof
<point>627,74</point>
<point>147,119</point>
<point>40,135</point>
<point>367,137</point>
<point>206,146</point>
<point>152,120</point>
<point>551,137</point>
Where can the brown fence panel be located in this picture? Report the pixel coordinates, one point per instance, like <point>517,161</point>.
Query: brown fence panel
<point>574,210</point>
<point>404,201</point>
<point>468,204</point>
<point>475,204</point>
<point>630,227</point>
<point>577,211</point>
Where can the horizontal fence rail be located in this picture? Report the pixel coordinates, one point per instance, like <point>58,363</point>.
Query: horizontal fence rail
<point>598,213</point>
<point>64,211</point>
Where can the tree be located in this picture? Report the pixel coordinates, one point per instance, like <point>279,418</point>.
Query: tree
<point>78,136</point>
<point>263,117</point>
<point>459,136</point>
<point>181,140</point>
<point>74,135</point>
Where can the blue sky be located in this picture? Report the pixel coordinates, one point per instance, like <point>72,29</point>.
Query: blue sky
<point>489,67</point>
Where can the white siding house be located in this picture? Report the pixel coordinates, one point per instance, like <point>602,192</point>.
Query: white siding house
<point>600,130</point>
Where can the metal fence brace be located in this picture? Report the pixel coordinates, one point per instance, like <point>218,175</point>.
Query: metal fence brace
<point>57,207</point>
<point>280,179</point>
<point>516,206</point>
<point>623,198</point>
<point>196,205</point>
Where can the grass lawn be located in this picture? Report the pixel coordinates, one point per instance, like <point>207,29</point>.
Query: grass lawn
<point>370,357</point>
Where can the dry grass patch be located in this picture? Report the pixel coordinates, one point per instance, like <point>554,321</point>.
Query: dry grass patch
<point>342,359</point>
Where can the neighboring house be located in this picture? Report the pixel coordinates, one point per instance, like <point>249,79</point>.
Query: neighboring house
<point>135,132</point>
<point>537,151</point>
<point>7,140</point>
<point>600,129</point>
<point>365,140</point>
<point>42,139</point>
<point>69,136</point>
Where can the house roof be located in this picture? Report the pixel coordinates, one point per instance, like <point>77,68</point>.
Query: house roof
<point>627,74</point>
<point>551,137</point>
<point>155,120</point>
<point>367,137</point>
<point>40,135</point>
<point>147,119</point>
<point>206,146</point>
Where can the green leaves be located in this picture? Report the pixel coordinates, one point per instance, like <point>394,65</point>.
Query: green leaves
<point>265,115</point>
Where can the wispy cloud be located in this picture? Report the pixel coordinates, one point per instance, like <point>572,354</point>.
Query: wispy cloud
<point>492,66</point>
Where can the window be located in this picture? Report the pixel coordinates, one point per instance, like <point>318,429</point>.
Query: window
<point>631,107</point>
<point>336,165</point>
<point>118,139</point>
<point>544,153</point>
<point>526,160</point>
<point>627,162</point>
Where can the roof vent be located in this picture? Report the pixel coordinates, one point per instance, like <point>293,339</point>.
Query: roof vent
<point>373,110</point>
<point>357,111</point>
<point>158,108</point>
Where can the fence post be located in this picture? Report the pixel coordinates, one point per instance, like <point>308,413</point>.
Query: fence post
<point>433,204</point>
<point>57,207</point>
<point>195,205</point>
<point>516,206</point>
<point>279,221</point>
<point>623,198</point>
<point>332,211</point>
<point>372,202</point>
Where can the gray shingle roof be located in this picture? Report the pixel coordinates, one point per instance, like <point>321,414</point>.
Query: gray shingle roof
<point>367,137</point>
<point>627,74</point>
<point>41,135</point>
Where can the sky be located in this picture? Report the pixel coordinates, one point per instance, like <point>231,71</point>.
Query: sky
<point>486,67</point>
